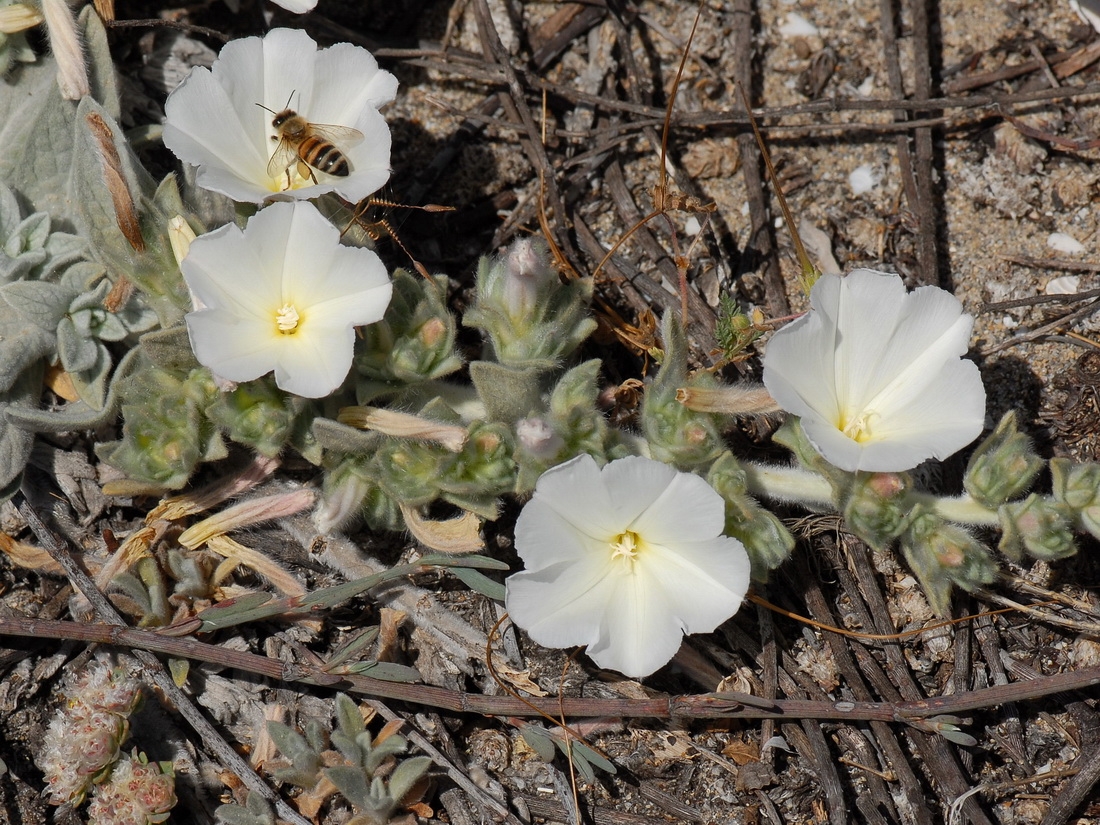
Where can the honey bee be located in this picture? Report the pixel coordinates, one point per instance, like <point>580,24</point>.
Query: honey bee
<point>312,146</point>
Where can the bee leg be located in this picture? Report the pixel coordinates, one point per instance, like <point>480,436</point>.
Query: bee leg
<point>306,171</point>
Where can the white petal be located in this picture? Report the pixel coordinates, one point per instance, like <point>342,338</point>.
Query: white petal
<point>639,632</point>
<point>544,537</point>
<point>930,332</point>
<point>866,312</point>
<point>289,60</point>
<point>562,605</point>
<point>704,581</point>
<point>203,127</point>
<point>369,160</point>
<point>691,588</point>
<point>352,310</point>
<point>941,421</point>
<point>837,448</point>
<point>576,492</point>
<point>633,484</point>
<point>348,81</point>
<point>295,241</point>
<point>314,362</point>
<point>688,509</point>
<point>870,352</point>
<point>296,6</point>
<point>223,270</point>
<point>231,347</point>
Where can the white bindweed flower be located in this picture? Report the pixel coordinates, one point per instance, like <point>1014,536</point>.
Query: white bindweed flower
<point>296,6</point>
<point>282,295</point>
<point>875,373</point>
<point>625,560</point>
<point>214,119</point>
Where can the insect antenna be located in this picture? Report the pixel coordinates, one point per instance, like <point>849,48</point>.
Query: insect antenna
<point>375,229</point>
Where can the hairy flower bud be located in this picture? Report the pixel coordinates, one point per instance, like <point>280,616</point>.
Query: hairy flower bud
<point>526,273</point>
<point>1003,466</point>
<point>766,540</point>
<point>528,315</point>
<point>942,555</point>
<point>1078,487</point>
<point>536,437</point>
<point>877,510</point>
<point>255,414</point>
<point>1042,527</point>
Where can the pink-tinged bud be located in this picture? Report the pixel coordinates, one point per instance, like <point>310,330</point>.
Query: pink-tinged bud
<point>432,331</point>
<point>887,485</point>
<point>343,502</point>
<point>537,438</point>
<point>525,273</point>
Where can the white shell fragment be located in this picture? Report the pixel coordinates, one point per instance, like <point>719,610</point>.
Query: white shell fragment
<point>1061,242</point>
<point>863,179</point>
<point>798,26</point>
<point>1064,285</point>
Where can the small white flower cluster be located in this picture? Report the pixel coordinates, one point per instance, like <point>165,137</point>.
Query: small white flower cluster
<point>625,559</point>
<point>283,294</point>
<point>84,736</point>
<point>629,558</point>
<point>136,793</point>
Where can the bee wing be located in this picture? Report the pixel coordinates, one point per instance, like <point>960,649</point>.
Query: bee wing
<point>285,154</point>
<point>344,137</point>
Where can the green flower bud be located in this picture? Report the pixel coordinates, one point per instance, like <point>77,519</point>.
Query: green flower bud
<point>255,414</point>
<point>165,434</point>
<point>415,342</point>
<point>530,317</point>
<point>1078,487</point>
<point>677,435</point>
<point>1003,466</point>
<point>877,509</point>
<point>482,470</point>
<point>942,555</point>
<point>409,471</point>
<point>1039,525</point>
<point>766,540</point>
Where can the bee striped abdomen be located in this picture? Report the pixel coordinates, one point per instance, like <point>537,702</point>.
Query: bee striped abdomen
<point>323,156</point>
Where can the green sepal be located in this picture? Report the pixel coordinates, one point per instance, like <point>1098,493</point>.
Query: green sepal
<point>766,539</point>
<point>1038,525</point>
<point>675,434</point>
<point>1003,466</point>
<point>878,509</point>
<point>942,555</point>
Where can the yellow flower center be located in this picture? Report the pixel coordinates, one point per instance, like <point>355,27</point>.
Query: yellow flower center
<point>287,319</point>
<point>859,428</point>
<point>626,546</point>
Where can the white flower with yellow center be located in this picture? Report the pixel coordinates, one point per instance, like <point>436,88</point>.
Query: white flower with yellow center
<point>282,295</point>
<point>625,560</point>
<point>221,119</point>
<point>876,374</point>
